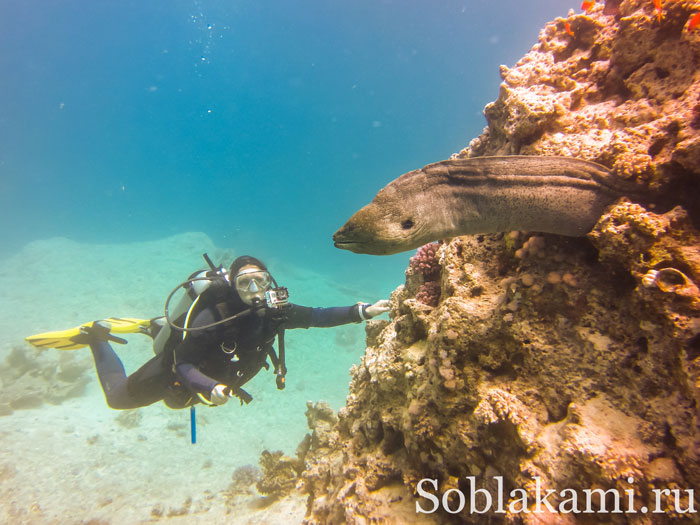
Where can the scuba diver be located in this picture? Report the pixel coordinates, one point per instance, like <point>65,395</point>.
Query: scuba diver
<point>209,350</point>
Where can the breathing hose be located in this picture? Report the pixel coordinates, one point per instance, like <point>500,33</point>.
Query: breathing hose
<point>198,328</point>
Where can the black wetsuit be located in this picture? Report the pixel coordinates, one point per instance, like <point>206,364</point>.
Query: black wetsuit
<point>230,354</point>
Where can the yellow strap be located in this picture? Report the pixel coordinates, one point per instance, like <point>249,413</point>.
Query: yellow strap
<point>127,325</point>
<point>205,400</point>
<point>187,318</point>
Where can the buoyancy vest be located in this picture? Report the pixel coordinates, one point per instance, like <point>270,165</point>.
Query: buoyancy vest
<point>203,289</point>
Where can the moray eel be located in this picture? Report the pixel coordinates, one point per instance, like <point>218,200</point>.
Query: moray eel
<point>561,195</point>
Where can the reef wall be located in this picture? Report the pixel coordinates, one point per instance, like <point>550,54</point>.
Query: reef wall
<point>536,361</point>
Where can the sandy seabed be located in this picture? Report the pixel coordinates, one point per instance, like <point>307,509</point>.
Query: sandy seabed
<point>80,462</point>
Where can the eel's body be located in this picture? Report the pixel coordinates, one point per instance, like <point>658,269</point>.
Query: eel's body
<point>559,195</point>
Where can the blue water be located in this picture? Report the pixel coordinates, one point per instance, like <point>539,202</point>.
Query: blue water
<point>263,124</point>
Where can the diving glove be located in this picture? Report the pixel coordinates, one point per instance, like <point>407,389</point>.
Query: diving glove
<point>368,311</point>
<point>219,394</point>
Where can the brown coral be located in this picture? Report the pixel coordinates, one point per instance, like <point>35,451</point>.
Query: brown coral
<point>582,387</point>
<point>279,473</point>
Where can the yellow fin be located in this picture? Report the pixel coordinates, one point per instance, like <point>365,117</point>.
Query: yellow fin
<point>74,338</point>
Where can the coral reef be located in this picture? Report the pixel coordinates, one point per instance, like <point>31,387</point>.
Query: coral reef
<point>585,382</point>
<point>279,473</point>
<point>547,363</point>
<point>30,377</point>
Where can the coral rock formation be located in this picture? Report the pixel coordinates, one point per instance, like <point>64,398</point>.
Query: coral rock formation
<point>547,363</point>
<point>279,473</point>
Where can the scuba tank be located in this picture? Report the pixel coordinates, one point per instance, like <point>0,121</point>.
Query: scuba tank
<point>173,326</point>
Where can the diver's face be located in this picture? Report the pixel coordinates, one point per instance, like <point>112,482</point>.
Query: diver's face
<point>251,283</point>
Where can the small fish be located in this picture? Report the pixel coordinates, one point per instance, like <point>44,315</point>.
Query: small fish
<point>587,5</point>
<point>694,22</point>
<point>657,8</point>
<point>567,26</point>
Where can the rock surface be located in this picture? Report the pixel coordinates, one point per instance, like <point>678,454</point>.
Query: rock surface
<point>548,363</point>
<point>33,377</point>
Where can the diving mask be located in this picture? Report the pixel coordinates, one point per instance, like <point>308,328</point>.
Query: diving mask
<point>252,280</point>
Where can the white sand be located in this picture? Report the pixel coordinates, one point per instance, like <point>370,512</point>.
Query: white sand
<point>74,462</point>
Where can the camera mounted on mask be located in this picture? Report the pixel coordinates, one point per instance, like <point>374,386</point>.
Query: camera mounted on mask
<point>277,298</point>
<point>274,305</point>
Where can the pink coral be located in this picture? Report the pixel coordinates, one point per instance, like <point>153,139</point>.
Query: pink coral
<point>426,264</point>
<point>425,261</point>
<point>429,293</point>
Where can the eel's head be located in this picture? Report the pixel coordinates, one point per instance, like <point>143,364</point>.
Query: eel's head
<point>390,224</point>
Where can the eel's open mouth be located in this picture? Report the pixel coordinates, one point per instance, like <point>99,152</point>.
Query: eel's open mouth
<point>345,245</point>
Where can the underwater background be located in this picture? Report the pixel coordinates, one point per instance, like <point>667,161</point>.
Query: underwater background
<point>263,124</point>
<point>135,136</point>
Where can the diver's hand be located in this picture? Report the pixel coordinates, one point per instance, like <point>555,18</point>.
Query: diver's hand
<point>378,308</point>
<point>219,394</point>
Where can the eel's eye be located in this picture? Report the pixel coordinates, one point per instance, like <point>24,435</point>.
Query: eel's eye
<point>407,224</point>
